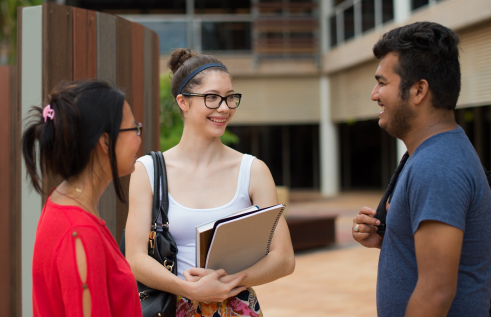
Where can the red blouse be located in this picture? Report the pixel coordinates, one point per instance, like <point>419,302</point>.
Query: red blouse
<point>57,286</point>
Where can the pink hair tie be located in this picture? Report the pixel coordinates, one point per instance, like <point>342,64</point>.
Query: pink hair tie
<point>48,113</point>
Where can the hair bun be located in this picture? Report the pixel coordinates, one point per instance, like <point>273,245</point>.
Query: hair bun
<point>178,57</point>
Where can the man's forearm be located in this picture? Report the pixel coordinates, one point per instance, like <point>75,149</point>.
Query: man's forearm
<point>429,302</point>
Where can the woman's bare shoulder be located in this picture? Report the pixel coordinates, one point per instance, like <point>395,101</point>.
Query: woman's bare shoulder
<point>171,157</point>
<point>232,154</point>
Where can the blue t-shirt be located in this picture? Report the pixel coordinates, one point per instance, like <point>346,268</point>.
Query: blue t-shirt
<point>443,181</point>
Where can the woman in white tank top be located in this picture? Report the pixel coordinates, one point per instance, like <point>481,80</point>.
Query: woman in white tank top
<point>206,180</point>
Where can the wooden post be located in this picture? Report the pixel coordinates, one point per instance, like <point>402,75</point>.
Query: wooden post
<point>138,99</point>
<point>107,70</point>
<point>57,59</point>
<point>84,44</point>
<point>5,192</point>
<point>15,185</point>
<point>124,43</point>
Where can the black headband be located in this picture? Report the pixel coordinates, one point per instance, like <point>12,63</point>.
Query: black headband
<point>195,72</point>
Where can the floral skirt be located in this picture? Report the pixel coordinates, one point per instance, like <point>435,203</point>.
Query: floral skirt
<point>243,304</point>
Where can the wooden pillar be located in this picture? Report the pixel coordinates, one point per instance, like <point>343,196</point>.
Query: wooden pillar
<point>84,44</point>
<point>147,91</point>
<point>57,59</point>
<point>155,85</point>
<point>5,192</point>
<point>138,99</point>
<point>106,70</point>
<point>16,179</point>
<point>123,81</point>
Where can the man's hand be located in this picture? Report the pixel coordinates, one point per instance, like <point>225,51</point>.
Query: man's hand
<point>364,228</point>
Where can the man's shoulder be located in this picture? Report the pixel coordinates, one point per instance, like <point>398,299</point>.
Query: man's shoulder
<point>451,149</point>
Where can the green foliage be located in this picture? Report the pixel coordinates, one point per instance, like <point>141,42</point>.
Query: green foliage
<point>171,124</point>
<point>8,24</point>
<point>229,138</point>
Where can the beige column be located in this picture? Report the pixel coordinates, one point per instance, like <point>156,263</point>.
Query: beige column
<point>328,143</point>
<point>31,95</point>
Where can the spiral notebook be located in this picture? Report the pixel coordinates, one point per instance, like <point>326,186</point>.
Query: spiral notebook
<point>204,234</point>
<point>241,241</point>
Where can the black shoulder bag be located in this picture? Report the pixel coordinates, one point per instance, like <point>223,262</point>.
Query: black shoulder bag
<point>161,247</point>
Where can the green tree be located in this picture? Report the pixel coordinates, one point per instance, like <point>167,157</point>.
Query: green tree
<point>171,124</point>
<point>8,28</point>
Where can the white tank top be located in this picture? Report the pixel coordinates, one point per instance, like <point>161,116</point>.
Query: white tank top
<point>183,220</point>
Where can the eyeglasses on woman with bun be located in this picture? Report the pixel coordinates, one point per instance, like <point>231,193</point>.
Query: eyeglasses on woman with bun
<point>213,101</point>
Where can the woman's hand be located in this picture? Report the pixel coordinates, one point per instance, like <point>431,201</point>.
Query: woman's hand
<point>195,274</point>
<point>210,289</point>
<point>364,228</point>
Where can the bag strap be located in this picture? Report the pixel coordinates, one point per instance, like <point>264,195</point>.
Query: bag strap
<point>159,207</point>
<point>164,206</point>
<point>381,209</point>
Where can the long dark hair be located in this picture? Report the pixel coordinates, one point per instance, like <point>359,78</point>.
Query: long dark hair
<point>84,110</point>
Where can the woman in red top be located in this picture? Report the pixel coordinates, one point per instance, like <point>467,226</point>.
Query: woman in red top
<point>88,137</point>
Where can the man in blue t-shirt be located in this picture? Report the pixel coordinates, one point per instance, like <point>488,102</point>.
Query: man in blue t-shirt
<point>435,257</point>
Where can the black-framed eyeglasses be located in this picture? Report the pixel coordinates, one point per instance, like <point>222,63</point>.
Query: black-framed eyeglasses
<point>213,101</point>
<point>138,129</point>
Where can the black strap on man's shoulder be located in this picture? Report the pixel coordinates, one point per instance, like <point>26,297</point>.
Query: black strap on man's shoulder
<point>381,209</point>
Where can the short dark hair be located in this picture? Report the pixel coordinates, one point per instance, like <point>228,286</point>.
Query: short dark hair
<point>84,110</point>
<point>425,50</point>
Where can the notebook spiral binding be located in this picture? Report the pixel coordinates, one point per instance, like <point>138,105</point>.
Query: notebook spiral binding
<point>273,229</point>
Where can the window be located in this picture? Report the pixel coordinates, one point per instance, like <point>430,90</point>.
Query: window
<point>226,36</point>
<point>171,35</point>
<point>274,29</point>
<point>221,6</point>
<point>286,29</point>
<point>349,23</point>
<point>132,6</point>
<point>333,29</point>
<point>416,4</point>
<point>387,11</point>
<point>367,15</point>
<point>358,16</point>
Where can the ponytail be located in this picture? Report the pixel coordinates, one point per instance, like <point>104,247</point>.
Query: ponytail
<point>81,112</point>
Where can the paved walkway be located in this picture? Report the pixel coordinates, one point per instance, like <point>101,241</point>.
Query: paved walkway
<point>336,281</point>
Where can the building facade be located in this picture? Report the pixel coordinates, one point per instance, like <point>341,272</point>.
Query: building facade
<point>305,69</point>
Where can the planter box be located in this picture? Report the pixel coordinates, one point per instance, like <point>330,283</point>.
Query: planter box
<point>311,231</point>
